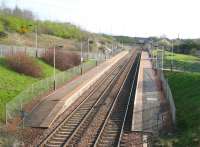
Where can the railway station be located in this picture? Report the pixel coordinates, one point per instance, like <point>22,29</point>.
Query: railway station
<point>118,103</point>
<point>99,73</point>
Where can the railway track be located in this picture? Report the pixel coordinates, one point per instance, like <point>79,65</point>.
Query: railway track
<point>80,118</point>
<point>112,130</point>
<point>124,141</point>
<point>86,136</point>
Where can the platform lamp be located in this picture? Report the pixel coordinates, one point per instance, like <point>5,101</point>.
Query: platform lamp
<point>81,57</point>
<point>36,37</point>
<point>54,64</point>
<point>88,48</point>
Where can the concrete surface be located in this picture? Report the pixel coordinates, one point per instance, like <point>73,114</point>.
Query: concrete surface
<point>147,98</point>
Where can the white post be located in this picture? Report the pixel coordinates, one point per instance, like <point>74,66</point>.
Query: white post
<point>54,67</point>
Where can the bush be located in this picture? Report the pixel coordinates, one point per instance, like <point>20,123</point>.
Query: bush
<point>63,60</point>
<point>22,63</point>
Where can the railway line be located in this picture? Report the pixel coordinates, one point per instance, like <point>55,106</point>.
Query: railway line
<point>112,131</point>
<point>95,116</point>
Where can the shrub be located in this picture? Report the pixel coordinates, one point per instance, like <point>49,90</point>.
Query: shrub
<point>22,63</point>
<point>63,60</point>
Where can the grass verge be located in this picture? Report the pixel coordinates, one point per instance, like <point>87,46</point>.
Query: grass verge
<point>12,83</point>
<point>186,92</point>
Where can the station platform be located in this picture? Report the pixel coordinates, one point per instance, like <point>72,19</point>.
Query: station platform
<point>50,107</point>
<point>146,110</point>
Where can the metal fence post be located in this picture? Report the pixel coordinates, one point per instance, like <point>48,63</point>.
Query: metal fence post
<point>32,89</point>
<point>6,121</point>
<point>63,77</point>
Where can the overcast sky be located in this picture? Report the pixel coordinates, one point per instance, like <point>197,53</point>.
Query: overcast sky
<point>122,17</point>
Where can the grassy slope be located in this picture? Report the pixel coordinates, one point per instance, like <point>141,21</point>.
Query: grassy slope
<point>182,62</point>
<point>186,94</point>
<point>182,57</point>
<point>12,83</point>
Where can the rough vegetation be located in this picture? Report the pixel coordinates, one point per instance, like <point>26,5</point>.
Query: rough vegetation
<point>186,93</point>
<point>24,64</point>
<point>63,60</point>
<point>18,27</point>
<point>12,83</point>
<point>17,20</point>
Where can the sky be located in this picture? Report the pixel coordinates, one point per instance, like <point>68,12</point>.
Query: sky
<point>122,17</point>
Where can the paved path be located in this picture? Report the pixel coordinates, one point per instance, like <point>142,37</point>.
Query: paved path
<point>56,103</point>
<point>147,98</point>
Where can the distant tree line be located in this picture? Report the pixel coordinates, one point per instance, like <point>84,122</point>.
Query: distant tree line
<point>186,46</point>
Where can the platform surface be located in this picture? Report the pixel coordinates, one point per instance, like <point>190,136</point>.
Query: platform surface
<point>147,98</point>
<point>44,114</point>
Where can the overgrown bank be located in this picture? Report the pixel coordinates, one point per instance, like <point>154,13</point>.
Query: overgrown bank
<point>186,93</point>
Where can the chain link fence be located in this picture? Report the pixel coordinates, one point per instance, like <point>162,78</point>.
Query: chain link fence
<point>6,50</point>
<point>160,63</point>
<point>165,60</point>
<point>16,105</point>
<point>44,86</point>
<point>168,95</point>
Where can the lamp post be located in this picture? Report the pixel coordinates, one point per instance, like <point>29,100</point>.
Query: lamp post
<point>81,57</point>
<point>54,68</point>
<point>88,48</point>
<point>54,65</point>
<point>36,37</point>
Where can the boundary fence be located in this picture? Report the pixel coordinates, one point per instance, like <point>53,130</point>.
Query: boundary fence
<point>16,106</point>
<point>41,87</point>
<point>159,63</point>
<point>7,50</point>
<point>168,96</point>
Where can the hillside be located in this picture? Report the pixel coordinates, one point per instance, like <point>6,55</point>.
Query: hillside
<point>19,27</point>
<point>182,62</point>
<point>12,83</point>
<point>44,40</point>
<point>186,95</point>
